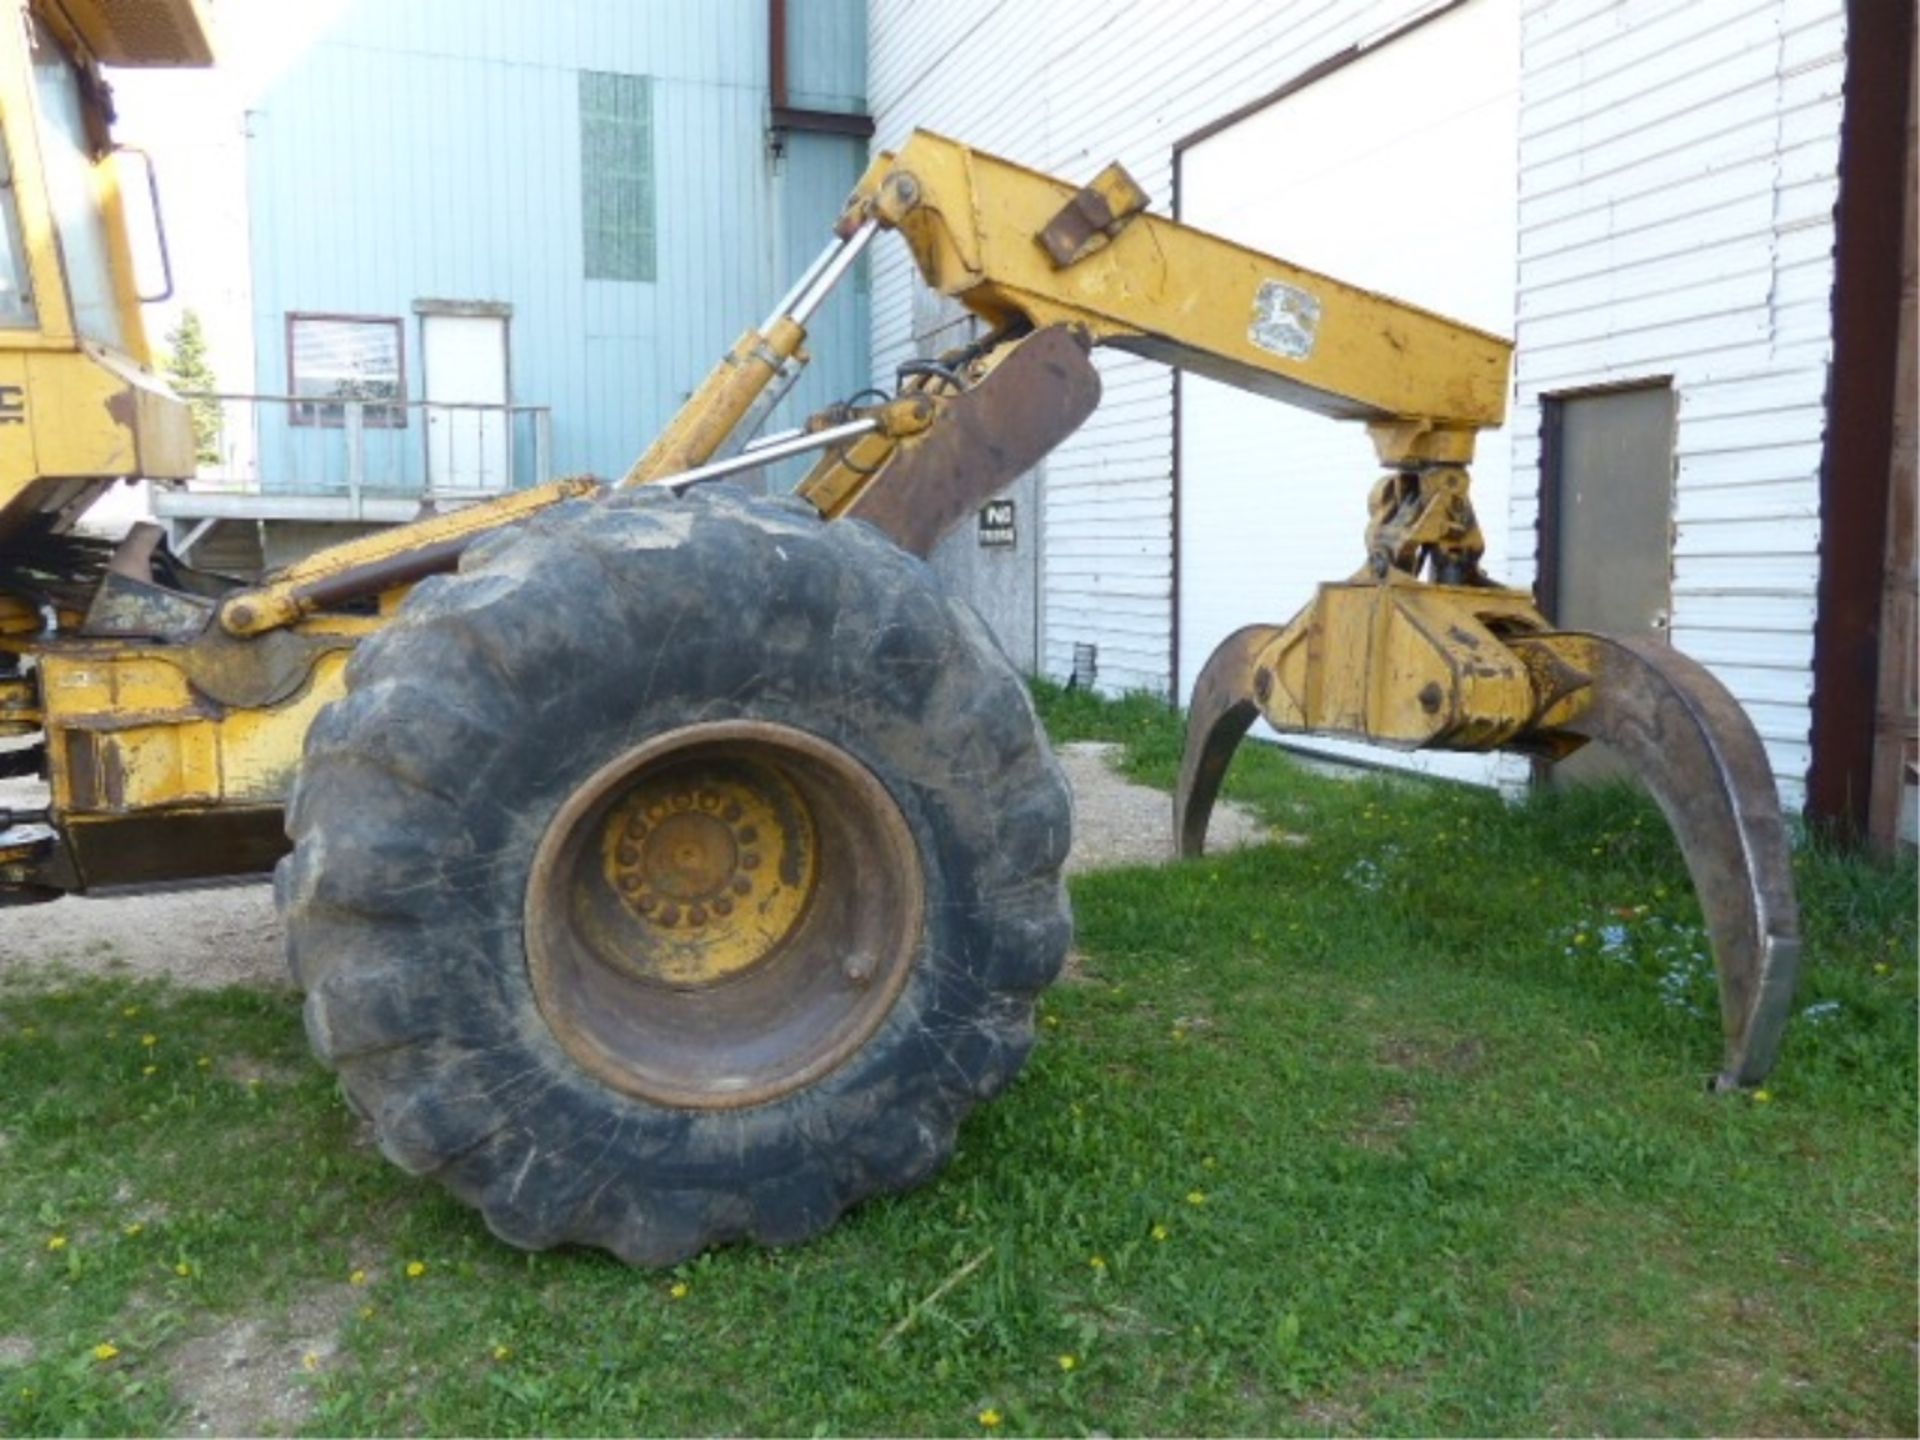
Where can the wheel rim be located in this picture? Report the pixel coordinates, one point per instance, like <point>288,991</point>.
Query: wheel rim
<point>723,914</point>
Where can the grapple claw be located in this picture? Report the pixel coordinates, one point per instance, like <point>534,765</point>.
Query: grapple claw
<point>1225,703</point>
<point>1697,752</point>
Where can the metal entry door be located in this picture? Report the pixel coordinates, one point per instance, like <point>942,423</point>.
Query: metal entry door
<point>1608,510</point>
<point>466,391</point>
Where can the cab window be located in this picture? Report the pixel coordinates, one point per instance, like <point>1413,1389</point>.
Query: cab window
<point>16,289</point>
<point>68,156</point>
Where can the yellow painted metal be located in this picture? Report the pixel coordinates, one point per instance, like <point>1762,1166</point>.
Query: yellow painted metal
<point>1406,664</point>
<point>19,705</point>
<point>840,477</point>
<point>128,732</point>
<point>722,401</point>
<point>77,416</point>
<point>717,864</point>
<point>383,559</point>
<point>1179,295</point>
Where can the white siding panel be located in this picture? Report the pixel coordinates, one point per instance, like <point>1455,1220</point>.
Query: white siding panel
<point>1677,183</point>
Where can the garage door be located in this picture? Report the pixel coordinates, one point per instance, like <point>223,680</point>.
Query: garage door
<point>1395,172</point>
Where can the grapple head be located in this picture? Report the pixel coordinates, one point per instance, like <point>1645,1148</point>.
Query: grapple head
<point>1685,736</point>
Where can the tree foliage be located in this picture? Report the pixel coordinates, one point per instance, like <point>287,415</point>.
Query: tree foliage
<point>189,370</point>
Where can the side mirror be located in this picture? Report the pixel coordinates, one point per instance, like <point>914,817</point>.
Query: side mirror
<point>159,225</point>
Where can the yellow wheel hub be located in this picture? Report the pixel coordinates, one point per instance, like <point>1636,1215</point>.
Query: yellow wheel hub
<point>716,863</point>
<point>723,914</point>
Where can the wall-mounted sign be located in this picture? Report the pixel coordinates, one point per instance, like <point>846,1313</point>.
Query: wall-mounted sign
<point>996,523</point>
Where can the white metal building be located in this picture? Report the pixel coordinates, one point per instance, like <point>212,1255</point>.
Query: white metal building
<point>1641,192</point>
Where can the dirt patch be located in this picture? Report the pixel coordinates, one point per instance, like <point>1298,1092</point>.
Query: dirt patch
<point>1116,822</point>
<point>1451,1057</point>
<point>206,939</point>
<point>254,1375</point>
<point>15,1351</point>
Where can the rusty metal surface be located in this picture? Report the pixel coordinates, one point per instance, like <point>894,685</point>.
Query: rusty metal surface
<point>1096,213</point>
<point>166,847</point>
<point>1225,703</point>
<point>987,438</point>
<point>133,608</point>
<point>821,933</point>
<point>1693,746</point>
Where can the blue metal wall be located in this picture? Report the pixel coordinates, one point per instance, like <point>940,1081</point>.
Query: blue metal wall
<point>431,150</point>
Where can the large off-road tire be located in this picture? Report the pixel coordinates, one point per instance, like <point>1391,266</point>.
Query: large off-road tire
<point>679,871</point>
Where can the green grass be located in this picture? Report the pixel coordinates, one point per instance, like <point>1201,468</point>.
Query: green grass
<point>1415,1104</point>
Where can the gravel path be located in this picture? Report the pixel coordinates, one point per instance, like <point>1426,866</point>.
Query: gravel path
<point>1116,822</point>
<point>231,936</point>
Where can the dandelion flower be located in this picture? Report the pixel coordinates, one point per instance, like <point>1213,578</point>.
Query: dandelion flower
<point>310,1361</point>
<point>1881,968</point>
<point>1099,1263</point>
<point>205,1062</point>
<point>1160,1232</point>
<point>1762,1097</point>
<point>678,1290</point>
<point>1196,1197</point>
<point>366,1312</point>
<point>149,1069</point>
<point>1052,1022</point>
<point>503,1352</point>
<point>1069,1362</point>
<point>415,1269</point>
<point>990,1418</point>
<point>56,1242</point>
<point>131,1012</point>
<point>358,1277</point>
<point>105,1351</point>
<point>133,1229</point>
<point>183,1269</point>
<point>149,1041</point>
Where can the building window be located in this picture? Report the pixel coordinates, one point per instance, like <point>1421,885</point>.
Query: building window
<point>336,358</point>
<point>616,175</point>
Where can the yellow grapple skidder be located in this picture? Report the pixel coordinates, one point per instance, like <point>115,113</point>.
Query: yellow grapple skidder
<point>664,865</point>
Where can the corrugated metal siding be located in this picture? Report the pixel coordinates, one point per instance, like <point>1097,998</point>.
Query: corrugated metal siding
<point>827,55</point>
<point>1677,183</point>
<point>1066,87</point>
<point>432,150</point>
